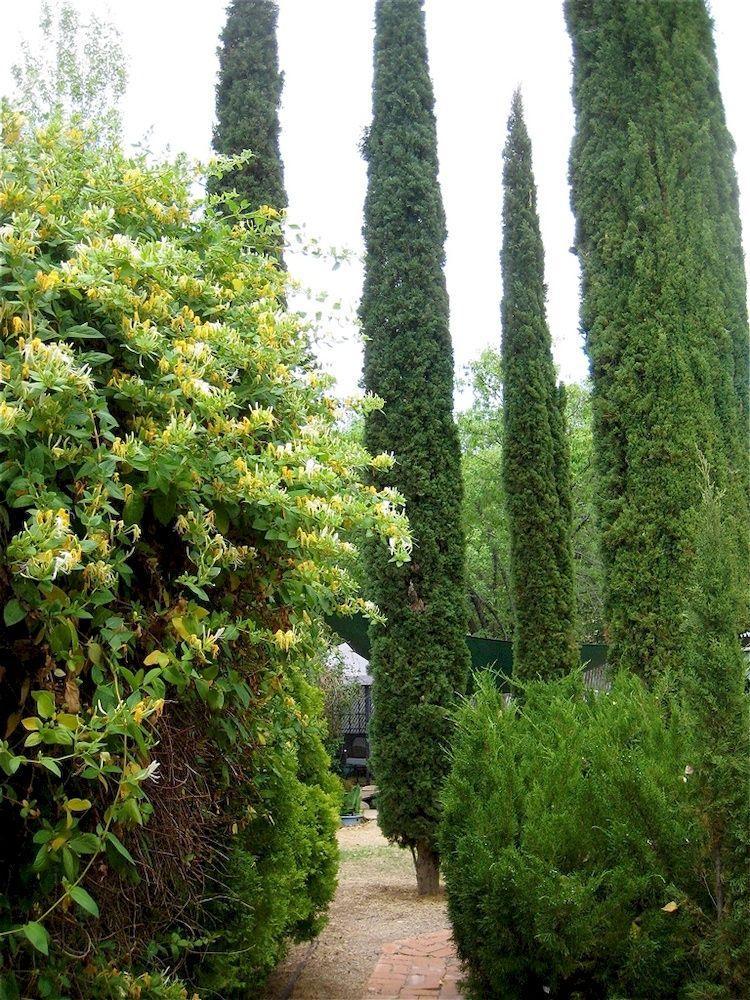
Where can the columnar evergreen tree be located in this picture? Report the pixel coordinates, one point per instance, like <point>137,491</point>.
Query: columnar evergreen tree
<point>247,101</point>
<point>536,461</point>
<point>664,304</point>
<point>420,660</point>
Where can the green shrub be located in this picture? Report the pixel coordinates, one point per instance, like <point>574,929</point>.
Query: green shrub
<point>570,847</point>
<point>719,717</point>
<point>176,504</point>
<point>281,873</point>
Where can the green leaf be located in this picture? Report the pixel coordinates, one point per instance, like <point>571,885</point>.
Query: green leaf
<point>85,843</point>
<point>95,653</point>
<point>70,863</point>
<point>222,519</point>
<point>215,698</point>
<point>120,848</point>
<point>34,459</point>
<point>37,935</point>
<point>84,900</point>
<point>13,612</point>
<point>62,637</point>
<point>10,764</point>
<point>84,332</point>
<point>51,765</point>
<point>132,512</point>
<point>45,703</point>
<point>164,507</point>
<point>132,812</point>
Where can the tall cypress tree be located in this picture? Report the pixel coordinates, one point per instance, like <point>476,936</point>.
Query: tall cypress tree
<point>247,101</point>
<point>536,462</point>
<point>420,660</point>
<point>664,306</point>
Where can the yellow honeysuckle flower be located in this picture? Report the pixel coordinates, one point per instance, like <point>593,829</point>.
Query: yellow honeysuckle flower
<point>45,281</point>
<point>285,639</point>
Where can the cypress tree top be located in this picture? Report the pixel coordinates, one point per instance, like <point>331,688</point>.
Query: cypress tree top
<point>664,309</point>
<point>247,101</point>
<point>420,660</point>
<point>536,466</point>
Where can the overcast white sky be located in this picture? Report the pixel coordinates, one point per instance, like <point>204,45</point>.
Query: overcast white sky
<point>480,50</point>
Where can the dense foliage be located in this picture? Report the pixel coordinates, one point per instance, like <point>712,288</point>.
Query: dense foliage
<point>281,874</point>
<point>664,305</point>
<point>485,520</point>
<point>717,697</point>
<point>247,101</point>
<point>536,457</point>
<point>574,848</point>
<point>175,501</point>
<point>420,661</point>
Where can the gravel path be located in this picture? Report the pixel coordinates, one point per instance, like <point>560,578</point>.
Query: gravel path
<point>376,902</point>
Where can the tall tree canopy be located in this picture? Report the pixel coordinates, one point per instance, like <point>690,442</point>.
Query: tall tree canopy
<point>420,661</point>
<point>247,101</point>
<point>664,305</point>
<point>536,459</point>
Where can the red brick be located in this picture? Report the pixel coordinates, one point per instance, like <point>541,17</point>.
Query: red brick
<point>445,952</point>
<point>384,990</point>
<point>418,967</point>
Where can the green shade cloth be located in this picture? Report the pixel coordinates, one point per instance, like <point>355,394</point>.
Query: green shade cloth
<point>496,653</point>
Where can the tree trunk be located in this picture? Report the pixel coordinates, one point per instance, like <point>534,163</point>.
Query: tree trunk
<point>427,865</point>
<point>477,602</point>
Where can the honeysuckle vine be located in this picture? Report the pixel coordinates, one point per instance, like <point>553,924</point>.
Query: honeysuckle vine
<point>154,390</point>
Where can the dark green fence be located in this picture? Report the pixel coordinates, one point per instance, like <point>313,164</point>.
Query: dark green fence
<point>496,653</point>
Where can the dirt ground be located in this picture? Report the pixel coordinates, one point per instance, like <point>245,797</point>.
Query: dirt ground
<point>376,902</point>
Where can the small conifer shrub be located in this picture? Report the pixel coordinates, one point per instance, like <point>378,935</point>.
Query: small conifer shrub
<point>572,848</point>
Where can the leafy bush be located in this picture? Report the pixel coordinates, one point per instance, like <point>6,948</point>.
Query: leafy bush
<point>282,870</point>
<point>175,502</point>
<point>571,850</point>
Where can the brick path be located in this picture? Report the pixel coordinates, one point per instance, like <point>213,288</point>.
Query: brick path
<point>424,966</point>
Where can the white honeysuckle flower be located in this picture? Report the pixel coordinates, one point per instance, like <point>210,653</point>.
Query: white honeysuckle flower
<point>202,387</point>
